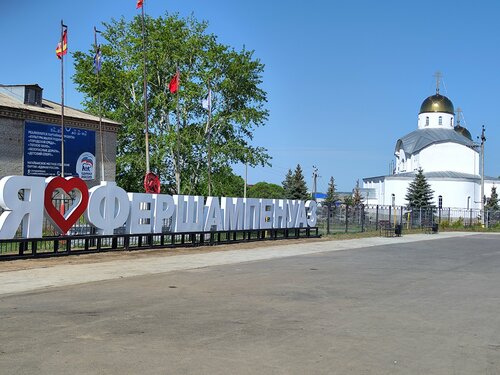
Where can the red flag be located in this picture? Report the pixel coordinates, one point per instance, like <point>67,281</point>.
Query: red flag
<point>174,83</point>
<point>139,4</point>
<point>61,51</point>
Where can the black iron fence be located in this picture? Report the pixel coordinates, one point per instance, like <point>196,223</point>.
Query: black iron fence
<point>65,245</point>
<point>362,218</point>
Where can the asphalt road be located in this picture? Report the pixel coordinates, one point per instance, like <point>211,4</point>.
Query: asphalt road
<point>429,307</point>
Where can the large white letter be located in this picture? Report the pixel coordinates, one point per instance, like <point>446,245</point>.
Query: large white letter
<point>29,210</point>
<point>301,215</point>
<point>292,211</point>
<point>234,212</point>
<point>266,213</point>
<point>189,213</point>
<point>252,206</point>
<point>214,214</point>
<point>140,215</point>
<point>108,207</point>
<point>312,216</point>
<point>280,208</point>
<point>163,210</point>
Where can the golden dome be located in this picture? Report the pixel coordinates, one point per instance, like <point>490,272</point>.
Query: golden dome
<point>461,130</point>
<point>437,103</point>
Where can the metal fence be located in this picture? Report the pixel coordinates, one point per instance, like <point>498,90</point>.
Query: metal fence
<point>354,219</point>
<point>65,245</point>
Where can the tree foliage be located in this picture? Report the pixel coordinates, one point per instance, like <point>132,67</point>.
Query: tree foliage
<point>331,194</point>
<point>357,198</point>
<point>298,186</point>
<point>266,190</point>
<point>287,184</point>
<point>238,102</point>
<point>348,200</point>
<point>419,192</point>
<point>493,200</point>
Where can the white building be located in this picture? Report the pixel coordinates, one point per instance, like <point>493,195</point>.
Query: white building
<point>447,155</point>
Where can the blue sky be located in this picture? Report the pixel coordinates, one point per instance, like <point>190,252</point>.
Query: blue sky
<point>344,79</point>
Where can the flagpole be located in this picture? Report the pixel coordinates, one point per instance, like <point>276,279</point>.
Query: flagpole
<point>62,98</point>
<point>145,92</point>
<point>97,68</point>
<point>209,137</point>
<point>178,172</point>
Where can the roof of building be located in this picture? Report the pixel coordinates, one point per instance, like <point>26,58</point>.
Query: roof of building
<point>421,138</point>
<point>464,131</point>
<point>434,175</point>
<point>437,103</point>
<point>49,108</point>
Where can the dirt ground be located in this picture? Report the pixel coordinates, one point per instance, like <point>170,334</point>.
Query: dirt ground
<point>23,264</point>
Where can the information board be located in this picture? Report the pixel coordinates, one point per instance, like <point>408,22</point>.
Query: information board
<point>42,151</point>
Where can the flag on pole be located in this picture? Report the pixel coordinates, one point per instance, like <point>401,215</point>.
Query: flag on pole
<point>139,4</point>
<point>97,60</point>
<point>62,46</point>
<point>207,102</point>
<point>173,86</point>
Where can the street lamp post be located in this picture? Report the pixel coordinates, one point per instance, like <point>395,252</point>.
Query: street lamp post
<point>483,140</point>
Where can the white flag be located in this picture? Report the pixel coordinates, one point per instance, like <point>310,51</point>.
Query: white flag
<point>207,102</point>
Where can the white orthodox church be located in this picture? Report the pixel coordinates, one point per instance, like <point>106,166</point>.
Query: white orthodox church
<point>445,151</point>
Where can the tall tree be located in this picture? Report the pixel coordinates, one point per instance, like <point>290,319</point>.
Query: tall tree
<point>419,192</point>
<point>331,194</point>
<point>357,198</point>
<point>237,100</point>
<point>299,187</point>
<point>493,200</point>
<point>287,184</point>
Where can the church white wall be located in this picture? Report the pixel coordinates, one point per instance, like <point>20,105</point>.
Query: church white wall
<point>448,157</point>
<point>398,187</point>
<point>406,163</point>
<point>436,120</point>
<point>455,193</point>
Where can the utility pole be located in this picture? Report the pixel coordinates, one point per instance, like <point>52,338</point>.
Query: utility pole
<point>97,69</point>
<point>63,44</point>
<point>483,140</point>
<point>246,178</point>
<point>145,89</point>
<point>314,184</point>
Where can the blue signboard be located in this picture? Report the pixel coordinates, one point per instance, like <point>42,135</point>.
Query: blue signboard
<point>42,151</point>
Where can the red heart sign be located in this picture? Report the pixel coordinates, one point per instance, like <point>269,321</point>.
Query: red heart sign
<point>61,222</point>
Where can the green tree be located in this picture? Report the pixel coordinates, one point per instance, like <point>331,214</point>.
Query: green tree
<point>348,200</point>
<point>298,189</point>
<point>266,190</point>
<point>419,192</point>
<point>331,194</point>
<point>238,101</point>
<point>357,198</point>
<point>224,183</point>
<point>493,200</point>
<point>287,184</point>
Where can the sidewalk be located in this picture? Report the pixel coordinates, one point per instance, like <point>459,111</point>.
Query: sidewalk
<point>19,281</point>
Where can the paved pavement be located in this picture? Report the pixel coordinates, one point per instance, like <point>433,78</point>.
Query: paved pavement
<point>63,275</point>
<point>414,305</point>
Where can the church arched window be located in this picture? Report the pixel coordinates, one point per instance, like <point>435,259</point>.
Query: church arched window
<point>427,121</point>
<point>451,122</point>
<point>440,120</point>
